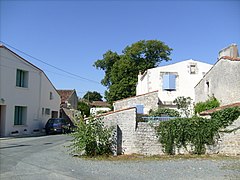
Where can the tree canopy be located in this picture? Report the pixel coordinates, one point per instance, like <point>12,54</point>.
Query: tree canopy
<point>93,96</point>
<point>84,108</point>
<point>121,70</point>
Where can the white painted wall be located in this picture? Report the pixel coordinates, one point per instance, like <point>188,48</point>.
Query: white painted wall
<point>152,80</point>
<point>95,110</point>
<point>35,97</point>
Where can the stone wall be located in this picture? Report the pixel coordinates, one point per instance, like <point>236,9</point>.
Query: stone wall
<point>222,81</point>
<point>229,143</point>
<point>141,138</point>
<point>149,101</point>
<point>146,140</point>
<point>125,122</point>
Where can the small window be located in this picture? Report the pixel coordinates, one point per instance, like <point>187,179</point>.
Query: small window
<point>22,78</point>
<point>51,96</point>
<point>47,111</point>
<point>207,85</point>
<point>193,69</point>
<point>20,115</point>
<point>169,82</point>
<point>42,111</point>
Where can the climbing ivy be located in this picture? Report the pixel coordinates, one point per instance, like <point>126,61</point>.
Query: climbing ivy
<point>195,131</point>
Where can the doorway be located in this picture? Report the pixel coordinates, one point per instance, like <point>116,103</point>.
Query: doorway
<point>2,120</point>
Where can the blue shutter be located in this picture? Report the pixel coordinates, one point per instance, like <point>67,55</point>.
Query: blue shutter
<point>169,82</point>
<point>172,81</point>
<point>166,81</point>
<point>139,109</point>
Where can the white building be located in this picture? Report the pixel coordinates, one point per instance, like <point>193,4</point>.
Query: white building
<point>99,107</point>
<point>172,81</point>
<point>27,97</point>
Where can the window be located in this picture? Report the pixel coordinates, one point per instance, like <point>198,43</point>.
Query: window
<point>51,96</point>
<point>207,86</point>
<point>20,115</point>
<point>22,78</point>
<point>47,111</point>
<point>54,114</point>
<point>169,82</point>
<point>192,69</point>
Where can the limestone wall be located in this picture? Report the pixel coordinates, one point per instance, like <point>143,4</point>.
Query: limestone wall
<point>146,140</point>
<point>125,123</point>
<point>149,101</point>
<point>141,138</point>
<point>229,143</point>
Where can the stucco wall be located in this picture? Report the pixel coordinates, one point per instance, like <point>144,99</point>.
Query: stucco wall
<point>73,100</point>
<point>224,83</point>
<point>149,101</point>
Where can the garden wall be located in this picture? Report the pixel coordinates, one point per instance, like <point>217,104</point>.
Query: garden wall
<point>124,122</point>
<point>148,100</point>
<point>229,143</point>
<point>141,138</point>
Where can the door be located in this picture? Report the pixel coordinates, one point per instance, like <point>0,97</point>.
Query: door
<point>2,119</point>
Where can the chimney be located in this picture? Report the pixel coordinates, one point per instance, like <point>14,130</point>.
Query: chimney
<point>230,51</point>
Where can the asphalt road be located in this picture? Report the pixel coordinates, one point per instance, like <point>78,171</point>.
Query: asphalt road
<point>47,157</point>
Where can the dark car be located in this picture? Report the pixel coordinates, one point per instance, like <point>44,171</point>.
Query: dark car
<point>58,125</point>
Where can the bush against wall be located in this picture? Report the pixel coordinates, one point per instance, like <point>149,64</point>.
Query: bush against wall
<point>184,105</point>
<point>92,138</point>
<point>164,112</point>
<point>211,103</point>
<point>195,131</point>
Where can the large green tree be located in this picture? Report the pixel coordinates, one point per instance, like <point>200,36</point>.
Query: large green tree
<point>93,96</point>
<point>121,70</point>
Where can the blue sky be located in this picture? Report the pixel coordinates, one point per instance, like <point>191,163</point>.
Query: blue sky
<point>72,35</point>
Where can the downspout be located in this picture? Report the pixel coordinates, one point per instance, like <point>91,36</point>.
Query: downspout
<point>40,97</point>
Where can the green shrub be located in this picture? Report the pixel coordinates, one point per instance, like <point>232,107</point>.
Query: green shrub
<point>92,138</point>
<point>211,103</point>
<point>195,131</point>
<point>165,111</point>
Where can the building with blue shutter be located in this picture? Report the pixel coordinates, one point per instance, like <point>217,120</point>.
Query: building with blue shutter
<point>172,81</point>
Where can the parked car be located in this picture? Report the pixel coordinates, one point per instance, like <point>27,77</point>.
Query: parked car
<point>58,125</point>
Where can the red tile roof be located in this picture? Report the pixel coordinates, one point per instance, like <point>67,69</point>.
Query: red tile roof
<point>100,104</point>
<point>65,94</point>
<point>230,58</point>
<point>208,112</point>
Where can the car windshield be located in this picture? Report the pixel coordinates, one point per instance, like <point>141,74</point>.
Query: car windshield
<point>55,121</point>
